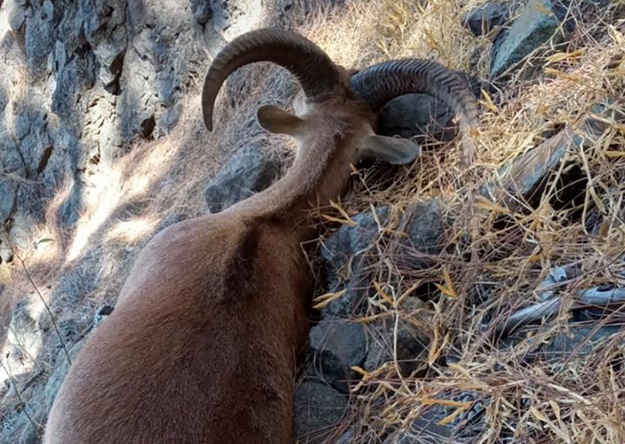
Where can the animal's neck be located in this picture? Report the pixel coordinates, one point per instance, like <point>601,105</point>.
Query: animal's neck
<point>316,177</point>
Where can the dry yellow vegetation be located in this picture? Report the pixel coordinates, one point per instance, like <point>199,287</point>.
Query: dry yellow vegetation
<point>576,400</point>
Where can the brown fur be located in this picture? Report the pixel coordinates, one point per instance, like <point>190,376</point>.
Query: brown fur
<point>202,344</point>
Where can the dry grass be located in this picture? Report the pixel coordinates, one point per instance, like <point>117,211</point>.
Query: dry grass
<point>576,400</point>
<point>524,396</point>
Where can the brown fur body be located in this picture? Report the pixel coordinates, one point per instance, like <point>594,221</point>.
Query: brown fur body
<point>202,344</point>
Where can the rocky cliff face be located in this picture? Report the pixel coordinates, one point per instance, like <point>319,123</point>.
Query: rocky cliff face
<point>82,81</point>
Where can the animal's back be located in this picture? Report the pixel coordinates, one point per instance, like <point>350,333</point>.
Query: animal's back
<point>178,359</point>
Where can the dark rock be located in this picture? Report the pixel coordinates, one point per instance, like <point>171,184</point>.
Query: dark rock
<point>483,19</point>
<point>589,304</point>
<point>425,428</point>
<point>336,346</point>
<point>556,280</point>
<point>202,10</point>
<point>43,19</point>
<point>347,437</point>
<point>424,229</point>
<point>317,408</point>
<point>533,28</point>
<point>16,13</point>
<point>525,177</point>
<point>350,239</point>
<point>6,253</point>
<point>102,313</point>
<point>8,193</point>
<point>578,341</point>
<point>599,120</point>
<point>411,348</point>
<point>249,171</point>
<point>350,243</point>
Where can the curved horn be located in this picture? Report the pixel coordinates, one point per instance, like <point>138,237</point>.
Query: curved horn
<point>312,67</point>
<point>380,83</point>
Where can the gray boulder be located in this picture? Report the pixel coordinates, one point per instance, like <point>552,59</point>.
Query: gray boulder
<point>425,429</point>
<point>522,179</point>
<point>536,25</point>
<point>424,227</point>
<point>336,346</point>
<point>317,408</point>
<point>483,19</point>
<point>249,171</point>
<point>410,351</point>
<point>350,243</point>
<point>578,342</point>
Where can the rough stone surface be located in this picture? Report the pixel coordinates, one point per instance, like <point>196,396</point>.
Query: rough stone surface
<point>534,27</point>
<point>483,19</point>
<point>317,408</point>
<point>336,346</point>
<point>247,172</point>
<point>524,176</point>
<point>425,429</point>
<point>83,79</point>
<point>347,437</point>
<point>349,241</point>
<point>424,226</point>
<point>410,349</point>
<point>578,342</point>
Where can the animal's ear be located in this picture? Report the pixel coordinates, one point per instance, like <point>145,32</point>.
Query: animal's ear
<point>276,120</point>
<point>392,150</point>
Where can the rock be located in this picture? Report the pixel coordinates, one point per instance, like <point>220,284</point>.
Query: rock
<point>12,170</point>
<point>579,340</point>
<point>522,179</point>
<point>424,229</point>
<point>411,348</point>
<point>317,408</point>
<point>233,17</point>
<point>336,346</point>
<point>483,19</point>
<point>533,28</point>
<point>425,428</point>
<point>6,253</point>
<point>589,304</point>
<point>347,437</point>
<point>202,10</point>
<point>8,193</point>
<point>350,243</point>
<point>249,171</point>
<point>526,176</point>
<point>16,13</point>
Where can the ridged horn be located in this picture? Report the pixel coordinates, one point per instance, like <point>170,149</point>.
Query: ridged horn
<point>381,83</point>
<point>306,61</point>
